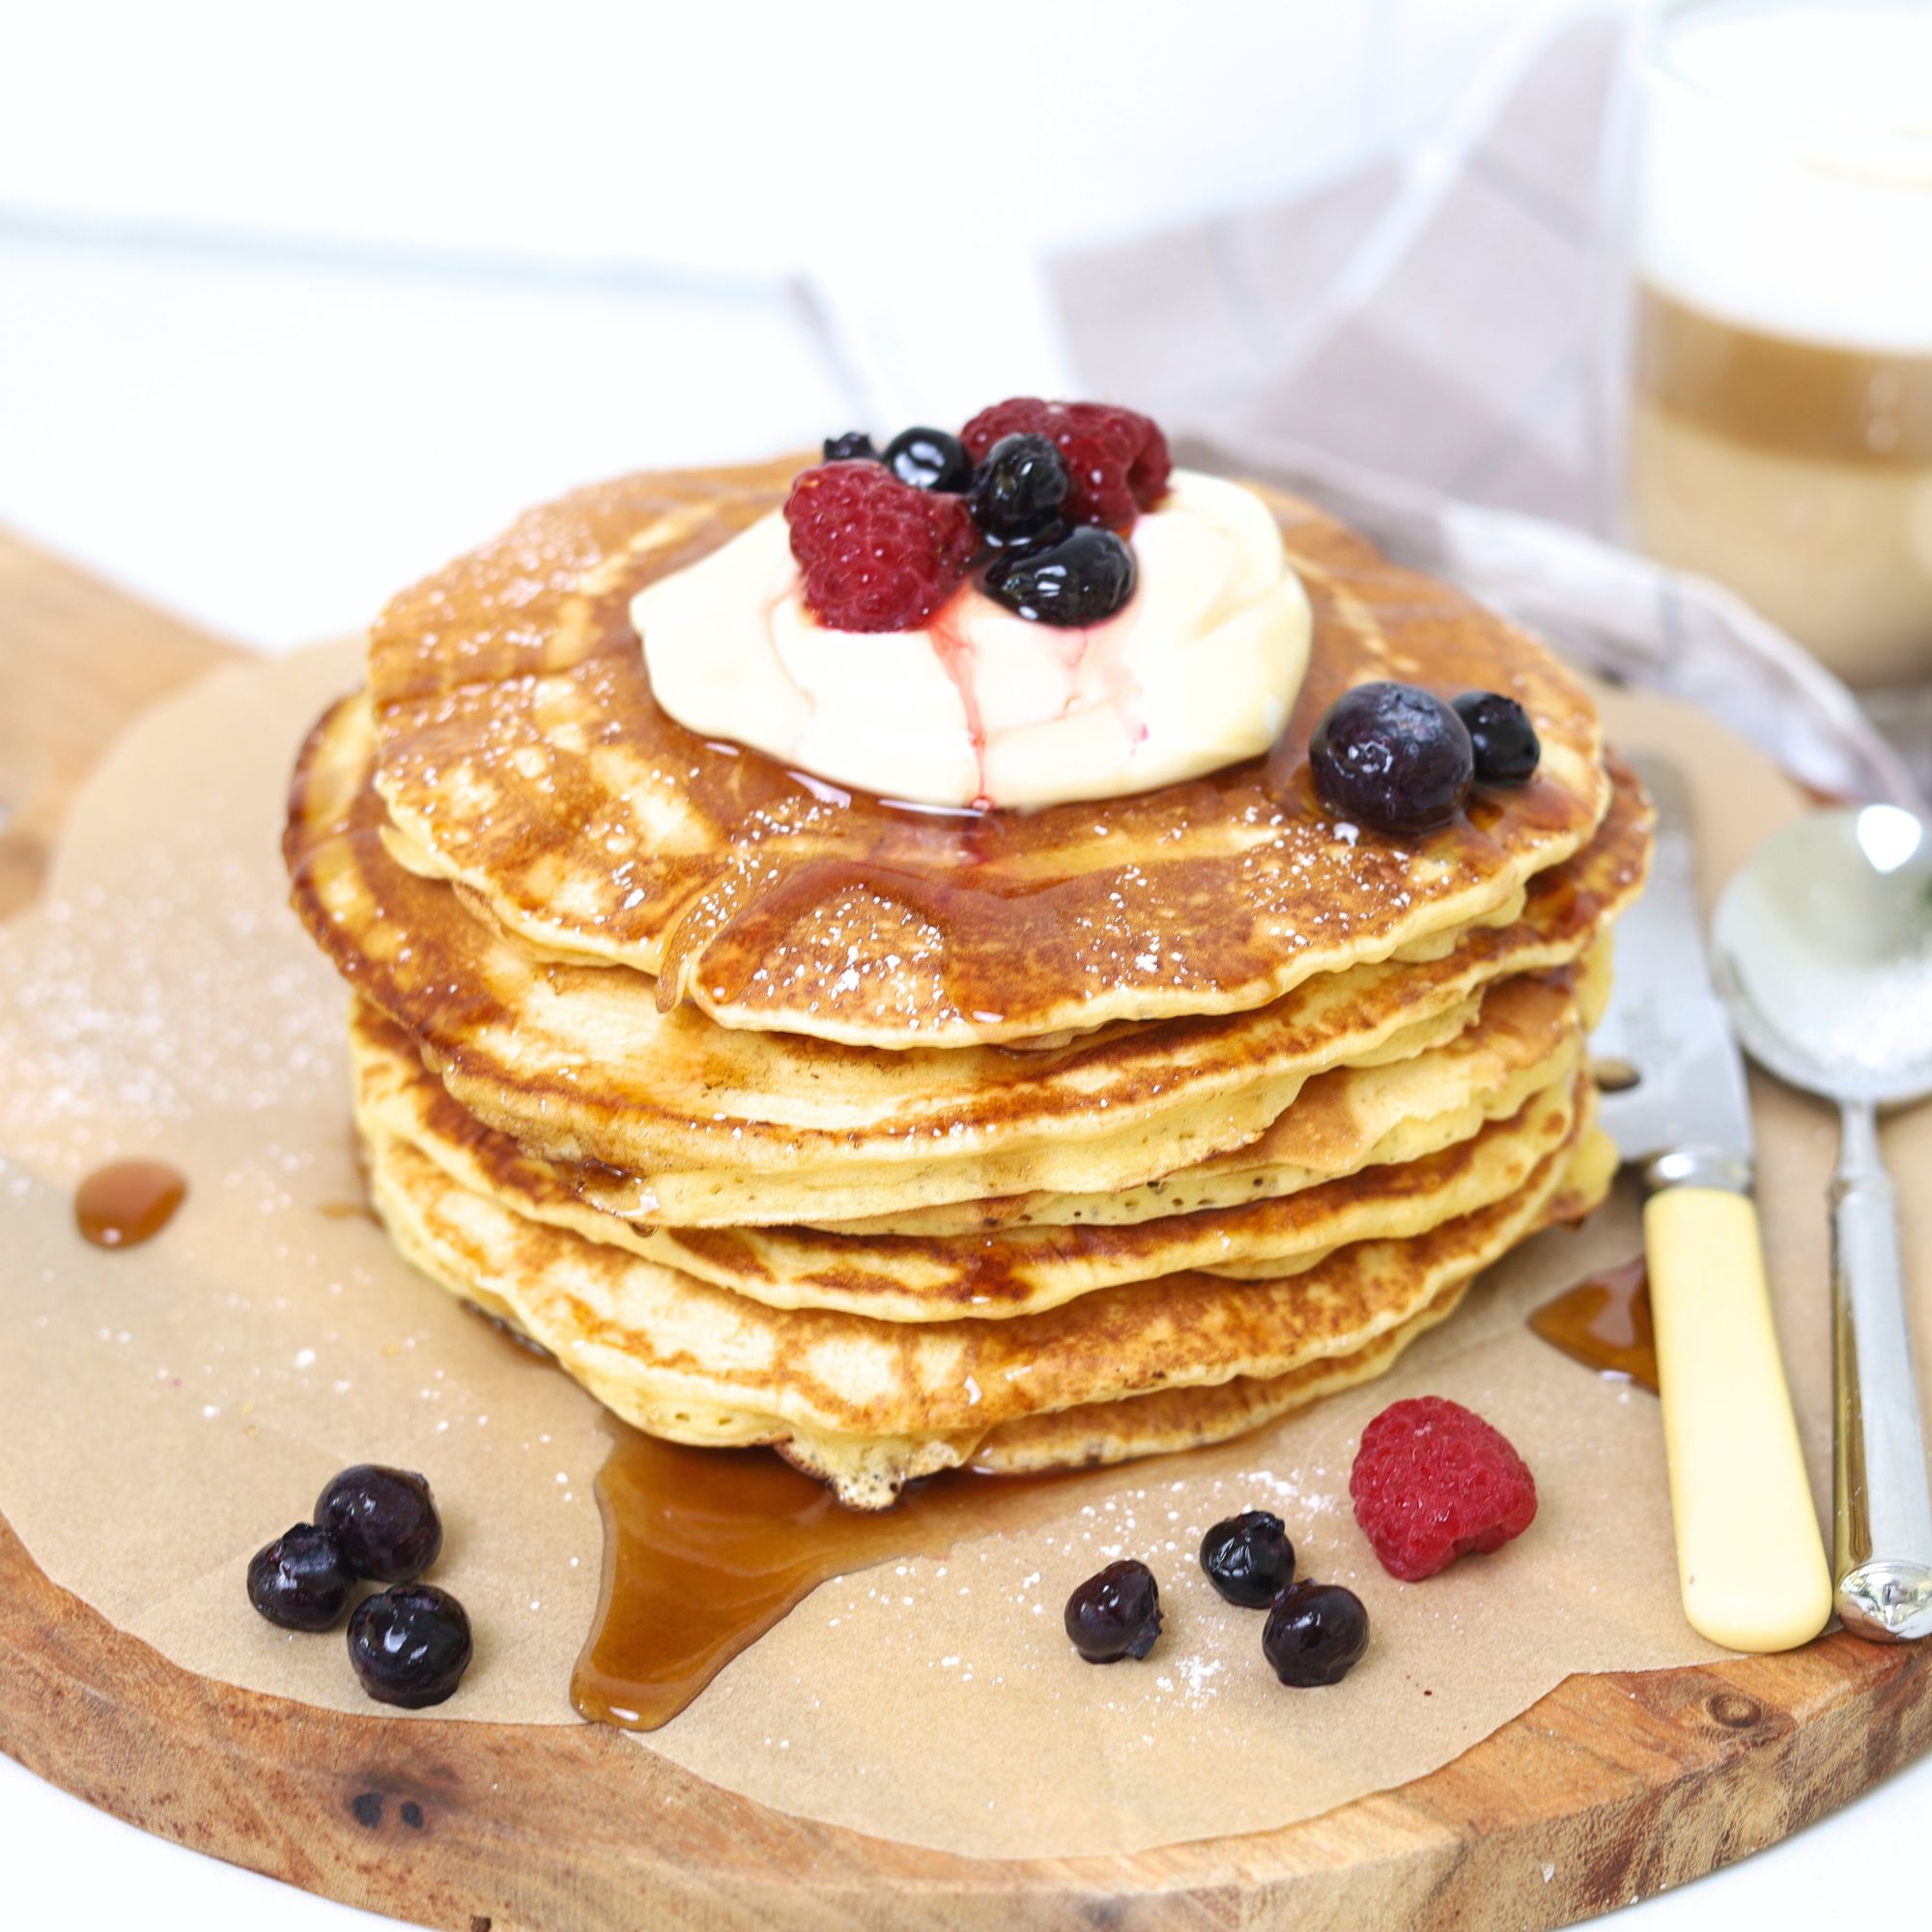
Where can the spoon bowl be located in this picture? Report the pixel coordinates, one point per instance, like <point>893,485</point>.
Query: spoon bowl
<point>1823,954</point>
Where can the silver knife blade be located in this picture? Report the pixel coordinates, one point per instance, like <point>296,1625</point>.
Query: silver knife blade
<point>1687,1114</point>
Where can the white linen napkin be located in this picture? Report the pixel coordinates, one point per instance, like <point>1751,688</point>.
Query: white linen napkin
<point>1420,344</point>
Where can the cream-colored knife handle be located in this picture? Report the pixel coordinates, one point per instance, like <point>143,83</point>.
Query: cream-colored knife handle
<point>1750,1561</point>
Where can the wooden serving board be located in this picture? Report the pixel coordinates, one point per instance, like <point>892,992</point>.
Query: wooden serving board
<point>1611,1787</point>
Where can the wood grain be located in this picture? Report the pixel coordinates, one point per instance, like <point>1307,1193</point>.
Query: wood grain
<point>1613,1788</point>
<point>77,660</point>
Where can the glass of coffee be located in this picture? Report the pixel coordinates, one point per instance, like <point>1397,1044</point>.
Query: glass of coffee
<point>1778,360</point>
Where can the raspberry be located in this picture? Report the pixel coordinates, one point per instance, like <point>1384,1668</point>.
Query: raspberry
<point>877,553</point>
<point>1434,1482</point>
<point>1116,460</point>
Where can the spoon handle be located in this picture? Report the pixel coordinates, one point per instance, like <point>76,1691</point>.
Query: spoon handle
<point>1882,1538</point>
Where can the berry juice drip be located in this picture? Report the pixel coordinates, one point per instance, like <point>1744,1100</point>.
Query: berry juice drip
<point>954,652</point>
<point>127,1202</point>
<point>706,1550</point>
<point>1604,1323</point>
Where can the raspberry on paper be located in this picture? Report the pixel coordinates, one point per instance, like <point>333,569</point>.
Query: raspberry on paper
<point>877,553</point>
<point>1116,460</point>
<point>1431,1482</point>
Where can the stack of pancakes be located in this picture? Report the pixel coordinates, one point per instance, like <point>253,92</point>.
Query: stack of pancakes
<point>903,1138</point>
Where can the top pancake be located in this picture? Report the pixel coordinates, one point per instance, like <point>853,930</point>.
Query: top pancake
<point>522,758</point>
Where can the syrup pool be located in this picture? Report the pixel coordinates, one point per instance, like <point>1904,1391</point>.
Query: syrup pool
<point>706,1550</point>
<point>1604,1323</point>
<point>127,1202</point>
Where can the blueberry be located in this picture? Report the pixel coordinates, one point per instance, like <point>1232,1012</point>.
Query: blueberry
<point>1018,490</point>
<point>1083,579</point>
<point>1011,549</point>
<point>1316,1634</point>
<point>854,446</point>
<point>410,1645</point>
<point>929,458</point>
<point>1249,1558</point>
<point>384,1519</point>
<point>1392,758</point>
<point>1115,1613</point>
<point>1507,749</point>
<point>301,1581</point>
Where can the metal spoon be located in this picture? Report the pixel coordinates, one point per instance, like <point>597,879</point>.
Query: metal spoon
<point>1823,951</point>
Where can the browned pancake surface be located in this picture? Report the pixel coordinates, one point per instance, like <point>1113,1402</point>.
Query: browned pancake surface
<point>521,754</point>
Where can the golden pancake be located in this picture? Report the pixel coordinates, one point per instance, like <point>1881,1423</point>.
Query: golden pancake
<point>1021,1270</point>
<point>709,1127</point>
<point>523,756</point>
<point>1187,1418</point>
<point>1368,1112</point>
<point>1442,1088</point>
<point>871,1404</point>
<point>1190,1418</point>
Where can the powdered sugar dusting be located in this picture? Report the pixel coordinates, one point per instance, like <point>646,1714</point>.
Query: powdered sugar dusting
<point>189,1398</point>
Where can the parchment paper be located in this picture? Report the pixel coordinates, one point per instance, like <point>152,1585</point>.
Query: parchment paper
<point>171,1407</point>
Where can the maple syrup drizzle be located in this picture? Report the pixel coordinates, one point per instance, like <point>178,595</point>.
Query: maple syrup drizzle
<point>127,1202</point>
<point>1604,1323</point>
<point>706,1550</point>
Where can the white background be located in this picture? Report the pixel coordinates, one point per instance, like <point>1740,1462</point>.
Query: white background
<point>294,306</point>
<point>296,302</point>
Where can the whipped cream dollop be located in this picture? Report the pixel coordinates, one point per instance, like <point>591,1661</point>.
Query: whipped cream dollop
<point>980,706</point>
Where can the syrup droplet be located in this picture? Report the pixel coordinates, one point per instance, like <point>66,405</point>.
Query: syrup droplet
<point>706,1550</point>
<point>1604,1323</point>
<point>127,1202</point>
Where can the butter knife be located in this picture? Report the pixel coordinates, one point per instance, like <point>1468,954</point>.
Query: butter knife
<point>1751,1560</point>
